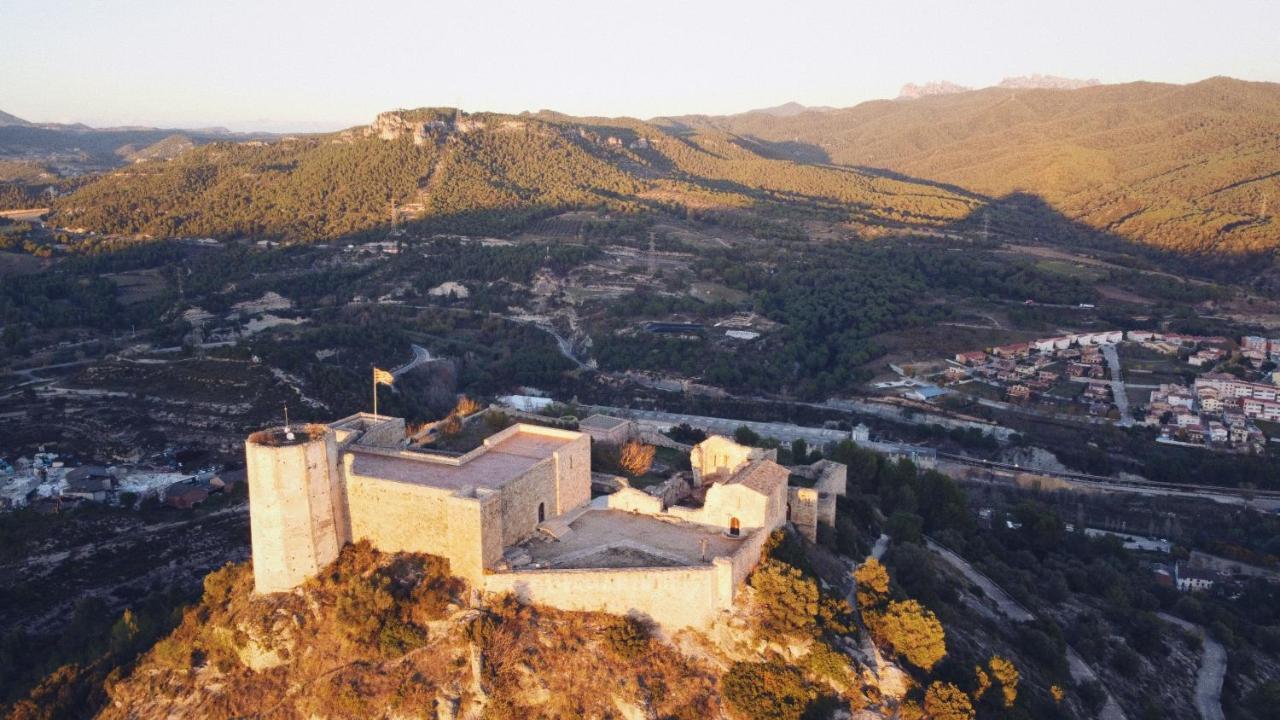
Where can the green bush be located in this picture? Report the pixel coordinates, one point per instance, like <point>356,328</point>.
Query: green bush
<point>829,664</point>
<point>628,638</point>
<point>398,637</point>
<point>766,691</point>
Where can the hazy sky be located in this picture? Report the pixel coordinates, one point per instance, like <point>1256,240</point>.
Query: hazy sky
<point>318,64</point>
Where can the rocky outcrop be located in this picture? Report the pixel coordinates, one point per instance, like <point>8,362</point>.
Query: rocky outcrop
<point>422,128</point>
<point>911,91</point>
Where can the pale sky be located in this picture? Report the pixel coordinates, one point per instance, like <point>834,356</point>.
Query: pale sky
<point>284,65</point>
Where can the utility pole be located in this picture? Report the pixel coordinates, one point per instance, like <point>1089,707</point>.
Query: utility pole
<point>653,258</point>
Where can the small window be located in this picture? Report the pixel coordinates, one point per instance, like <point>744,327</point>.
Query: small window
<point>735,527</point>
<point>542,512</point>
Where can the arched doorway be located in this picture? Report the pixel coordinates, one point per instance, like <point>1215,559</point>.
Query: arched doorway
<point>542,512</point>
<point>735,527</point>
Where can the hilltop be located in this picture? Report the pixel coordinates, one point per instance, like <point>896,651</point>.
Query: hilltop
<point>1183,167</point>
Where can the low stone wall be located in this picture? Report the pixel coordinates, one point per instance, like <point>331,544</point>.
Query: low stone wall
<point>656,438</point>
<point>671,597</point>
<point>630,499</point>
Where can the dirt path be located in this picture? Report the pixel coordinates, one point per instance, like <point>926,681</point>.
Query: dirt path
<point>1016,612</point>
<point>1213,668</point>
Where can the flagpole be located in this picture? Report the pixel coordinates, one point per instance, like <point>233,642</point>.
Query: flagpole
<point>375,392</point>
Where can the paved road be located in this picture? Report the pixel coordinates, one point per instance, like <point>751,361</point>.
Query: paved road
<point>660,421</point>
<point>1261,499</point>
<point>1117,385</point>
<point>1213,668</point>
<point>420,356</point>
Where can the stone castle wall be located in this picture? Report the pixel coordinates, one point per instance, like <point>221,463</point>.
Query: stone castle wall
<point>672,597</point>
<point>521,498</point>
<point>802,504</point>
<point>408,517</point>
<point>573,463</point>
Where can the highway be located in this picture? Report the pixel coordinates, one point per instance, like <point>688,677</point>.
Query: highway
<point>1262,499</point>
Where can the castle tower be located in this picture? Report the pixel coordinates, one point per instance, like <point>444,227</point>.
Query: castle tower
<point>297,517</point>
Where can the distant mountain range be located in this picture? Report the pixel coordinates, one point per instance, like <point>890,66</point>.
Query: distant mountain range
<point>788,110</point>
<point>74,149</point>
<point>7,119</point>
<point>1192,167</point>
<point>911,91</point>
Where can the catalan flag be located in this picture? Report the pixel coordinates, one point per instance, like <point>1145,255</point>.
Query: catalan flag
<point>383,377</point>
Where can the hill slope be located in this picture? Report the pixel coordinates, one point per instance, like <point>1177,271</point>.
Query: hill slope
<point>1191,168</point>
<point>466,170</point>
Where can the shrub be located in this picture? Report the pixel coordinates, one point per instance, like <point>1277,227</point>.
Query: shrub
<point>636,458</point>
<point>398,637</point>
<point>787,601</point>
<point>628,638</point>
<point>912,630</point>
<point>944,701</point>
<point>362,606</point>
<point>829,664</point>
<point>765,691</point>
<point>1006,673</point>
<point>435,590</point>
<point>872,582</point>
<point>466,406</point>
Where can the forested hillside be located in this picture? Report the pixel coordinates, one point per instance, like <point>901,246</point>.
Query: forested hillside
<point>484,171</point>
<point>1184,167</point>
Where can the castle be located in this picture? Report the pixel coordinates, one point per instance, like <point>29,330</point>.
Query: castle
<point>516,514</point>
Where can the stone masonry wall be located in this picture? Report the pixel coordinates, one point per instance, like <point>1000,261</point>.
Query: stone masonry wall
<point>672,597</point>
<point>295,523</point>
<point>573,466</point>
<point>405,517</point>
<point>520,499</point>
<point>803,507</point>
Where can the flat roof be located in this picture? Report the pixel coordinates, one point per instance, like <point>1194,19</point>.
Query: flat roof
<point>508,457</point>
<point>602,422</point>
<point>615,538</point>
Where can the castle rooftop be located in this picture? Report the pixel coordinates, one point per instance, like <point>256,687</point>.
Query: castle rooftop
<point>285,436</point>
<point>613,538</point>
<point>502,458</point>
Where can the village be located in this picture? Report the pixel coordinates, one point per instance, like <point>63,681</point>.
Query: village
<point>48,482</point>
<point>1175,383</point>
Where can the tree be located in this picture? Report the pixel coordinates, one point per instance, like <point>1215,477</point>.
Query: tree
<point>1006,673</point>
<point>799,451</point>
<point>912,630</point>
<point>746,436</point>
<point>466,406</point>
<point>636,458</point>
<point>872,583</point>
<point>944,701</point>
